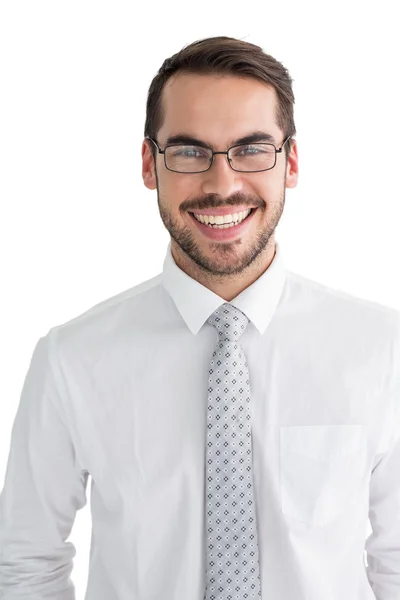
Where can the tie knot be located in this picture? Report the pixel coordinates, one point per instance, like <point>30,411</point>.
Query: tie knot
<point>229,321</point>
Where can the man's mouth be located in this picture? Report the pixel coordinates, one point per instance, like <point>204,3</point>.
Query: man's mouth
<point>223,221</point>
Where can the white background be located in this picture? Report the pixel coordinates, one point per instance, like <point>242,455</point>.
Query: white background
<point>77,224</point>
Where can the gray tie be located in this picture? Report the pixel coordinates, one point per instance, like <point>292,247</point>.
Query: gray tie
<point>232,561</point>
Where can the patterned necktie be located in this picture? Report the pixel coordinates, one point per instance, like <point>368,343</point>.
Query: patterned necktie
<point>231,532</point>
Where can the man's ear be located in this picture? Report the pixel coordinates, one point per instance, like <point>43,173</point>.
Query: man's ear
<point>148,167</point>
<point>292,167</point>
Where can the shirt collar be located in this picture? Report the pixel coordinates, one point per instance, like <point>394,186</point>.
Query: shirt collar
<point>196,303</point>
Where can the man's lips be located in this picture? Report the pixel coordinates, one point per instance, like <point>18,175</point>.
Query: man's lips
<point>221,234</point>
<point>226,210</point>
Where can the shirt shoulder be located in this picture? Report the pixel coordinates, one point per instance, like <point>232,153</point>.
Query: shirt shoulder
<point>342,309</point>
<point>111,316</point>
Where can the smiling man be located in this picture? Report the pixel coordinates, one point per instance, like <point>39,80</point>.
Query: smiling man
<point>240,423</point>
<point>220,209</point>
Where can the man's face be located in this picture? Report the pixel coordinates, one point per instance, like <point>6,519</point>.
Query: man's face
<point>218,110</point>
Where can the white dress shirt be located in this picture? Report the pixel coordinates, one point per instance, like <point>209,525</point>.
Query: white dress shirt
<point>120,393</point>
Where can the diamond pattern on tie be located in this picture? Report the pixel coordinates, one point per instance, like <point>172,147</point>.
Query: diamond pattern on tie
<point>232,560</point>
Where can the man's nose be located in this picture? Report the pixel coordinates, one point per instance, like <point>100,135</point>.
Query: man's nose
<point>220,179</point>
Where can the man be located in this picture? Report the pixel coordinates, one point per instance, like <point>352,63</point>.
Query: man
<point>240,422</point>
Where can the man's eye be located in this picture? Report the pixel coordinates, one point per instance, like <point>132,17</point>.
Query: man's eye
<point>189,152</point>
<point>249,150</point>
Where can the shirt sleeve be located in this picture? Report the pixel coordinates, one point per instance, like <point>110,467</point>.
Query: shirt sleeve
<point>383,545</point>
<point>43,489</point>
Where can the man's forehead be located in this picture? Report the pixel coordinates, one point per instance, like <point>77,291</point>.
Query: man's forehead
<point>196,95</point>
<point>214,110</point>
<point>222,99</point>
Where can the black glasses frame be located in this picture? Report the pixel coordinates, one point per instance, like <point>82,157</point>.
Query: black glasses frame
<point>277,150</point>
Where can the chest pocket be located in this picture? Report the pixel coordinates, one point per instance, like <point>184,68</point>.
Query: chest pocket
<point>321,470</point>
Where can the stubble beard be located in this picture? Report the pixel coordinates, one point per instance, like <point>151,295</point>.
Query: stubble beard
<point>228,259</point>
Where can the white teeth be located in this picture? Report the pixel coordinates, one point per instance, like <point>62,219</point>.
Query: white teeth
<point>223,221</point>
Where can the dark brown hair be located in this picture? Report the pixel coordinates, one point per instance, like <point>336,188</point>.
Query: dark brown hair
<point>223,55</point>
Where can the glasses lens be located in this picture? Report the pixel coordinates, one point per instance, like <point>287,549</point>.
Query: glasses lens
<point>252,157</point>
<point>187,159</point>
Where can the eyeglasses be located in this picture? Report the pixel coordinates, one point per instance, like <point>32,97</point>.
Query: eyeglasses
<point>245,158</point>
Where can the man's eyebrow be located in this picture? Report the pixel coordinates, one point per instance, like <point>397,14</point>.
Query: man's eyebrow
<point>256,136</point>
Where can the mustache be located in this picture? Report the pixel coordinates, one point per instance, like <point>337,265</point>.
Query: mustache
<point>214,201</point>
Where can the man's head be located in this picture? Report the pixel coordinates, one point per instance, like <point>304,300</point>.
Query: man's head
<point>208,97</point>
